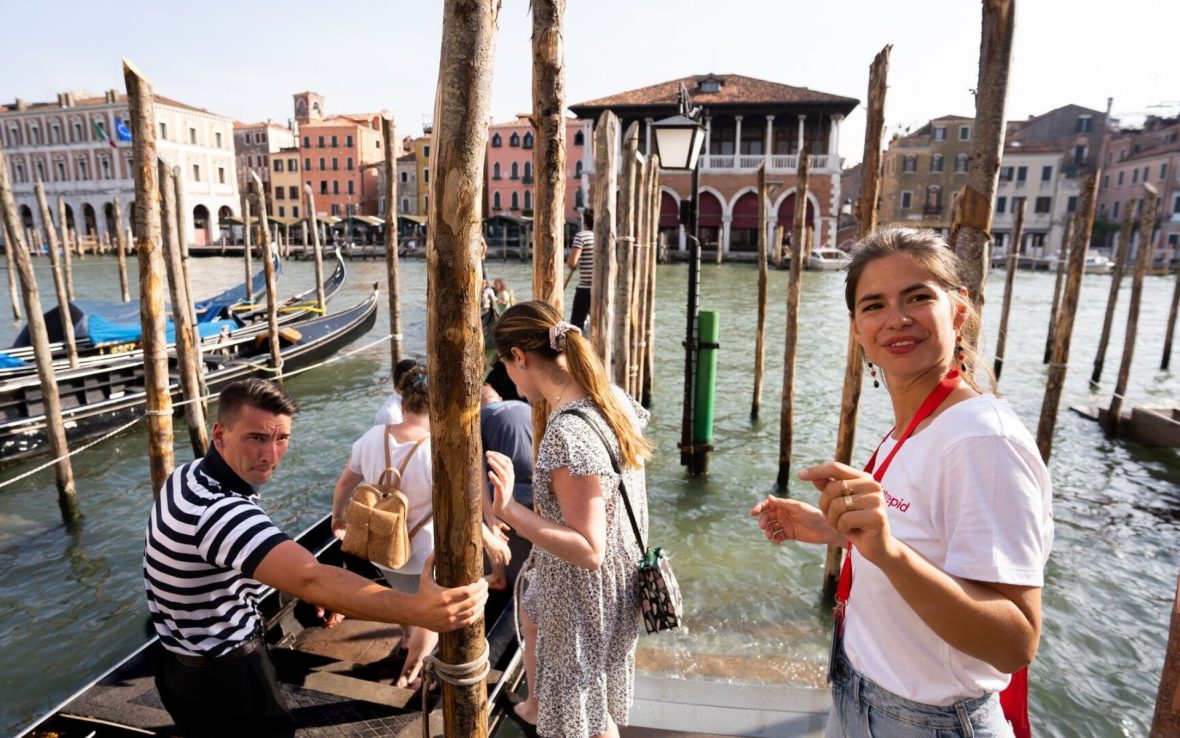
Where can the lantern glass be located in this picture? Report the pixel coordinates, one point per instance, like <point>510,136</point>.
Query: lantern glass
<point>678,140</point>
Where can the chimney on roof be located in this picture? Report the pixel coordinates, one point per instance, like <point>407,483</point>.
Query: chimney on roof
<point>21,104</point>
<point>112,96</point>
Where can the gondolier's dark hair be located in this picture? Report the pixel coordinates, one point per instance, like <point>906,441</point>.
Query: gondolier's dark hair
<point>254,392</point>
<point>931,252</point>
<point>588,217</point>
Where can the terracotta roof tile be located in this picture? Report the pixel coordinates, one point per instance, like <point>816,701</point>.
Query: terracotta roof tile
<point>734,89</point>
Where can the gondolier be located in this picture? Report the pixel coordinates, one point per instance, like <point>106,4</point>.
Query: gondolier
<point>211,552</point>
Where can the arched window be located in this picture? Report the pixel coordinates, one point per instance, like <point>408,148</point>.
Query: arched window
<point>104,167</point>
<point>14,135</point>
<point>578,169</point>
<point>495,200</point>
<point>515,201</point>
<point>76,135</point>
<point>496,140</point>
<point>515,171</point>
<point>580,138</point>
<point>59,166</point>
<point>528,171</point>
<point>40,170</point>
<point>83,168</point>
<point>961,163</point>
<point>579,199</point>
<point>528,200</point>
<point>19,172</point>
<point>496,170</point>
<point>528,140</point>
<point>34,135</point>
<point>54,132</point>
<point>514,139</point>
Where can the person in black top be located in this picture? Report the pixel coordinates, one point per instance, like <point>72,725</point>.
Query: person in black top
<point>210,554</point>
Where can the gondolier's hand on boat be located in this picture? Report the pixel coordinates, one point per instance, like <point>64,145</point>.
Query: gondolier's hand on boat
<point>853,503</point>
<point>782,519</point>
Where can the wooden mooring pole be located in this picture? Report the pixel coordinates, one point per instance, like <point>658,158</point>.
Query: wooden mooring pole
<point>1142,262</point>
<point>10,245</point>
<point>246,247</point>
<point>972,219</point>
<point>186,342</point>
<point>1009,282</point>
<point>649,331</point>
<point>1165,723</point>
<point>791,344</point>
<point>63,473</point>
<point>625,257</point>
<point>182,239</point>
<point>548,163</point>
<point>454,334</point>
<point>1167,358</point>
<point>763,281</point>
<point>1116,280</point>
<point>866,221</point>
<point>602,295</point>
<point>317,251</point>
<point>639,285</point>
<point>151,275</point>
<point>67,243</point>
<point>1065,316</point>
<point>268,263</point>
<point>121,253</point>
<point>63,300</point>
<point>389,141</point>
<point>1062,259</point>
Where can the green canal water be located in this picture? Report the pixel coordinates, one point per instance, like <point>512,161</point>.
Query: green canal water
<point>71,602</point>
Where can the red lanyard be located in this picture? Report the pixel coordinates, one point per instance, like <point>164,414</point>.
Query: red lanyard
<point>936,397</point>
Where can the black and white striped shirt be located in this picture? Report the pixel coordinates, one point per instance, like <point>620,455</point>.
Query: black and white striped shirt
<point>205,537</point>
<point>584,240</point>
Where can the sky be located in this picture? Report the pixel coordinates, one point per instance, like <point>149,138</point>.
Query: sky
<point>245,60</point>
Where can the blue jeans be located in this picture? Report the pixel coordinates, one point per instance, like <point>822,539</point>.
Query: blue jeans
<point>862,709</point>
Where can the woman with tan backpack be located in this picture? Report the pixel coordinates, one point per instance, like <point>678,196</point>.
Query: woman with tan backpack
<point>391,464</point>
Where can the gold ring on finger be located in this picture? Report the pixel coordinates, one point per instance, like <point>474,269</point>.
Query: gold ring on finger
<point>848,502</point>
<point>847,489</point>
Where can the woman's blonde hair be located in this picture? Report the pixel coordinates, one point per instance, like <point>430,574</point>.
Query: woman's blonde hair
<point>526,326</point>
<point>931,252</point>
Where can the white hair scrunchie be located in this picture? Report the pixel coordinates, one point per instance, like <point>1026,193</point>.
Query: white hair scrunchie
<point>557,333</point>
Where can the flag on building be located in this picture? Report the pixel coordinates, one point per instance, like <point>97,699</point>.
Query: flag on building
<point>101,132</point>
<point>122,131</point>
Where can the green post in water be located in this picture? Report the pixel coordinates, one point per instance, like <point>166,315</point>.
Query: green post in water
<point>702,422</point>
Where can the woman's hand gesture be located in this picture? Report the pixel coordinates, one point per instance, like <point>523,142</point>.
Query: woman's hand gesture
<point>853,503</point>
<point>501,477</point>
<point>782,519</point>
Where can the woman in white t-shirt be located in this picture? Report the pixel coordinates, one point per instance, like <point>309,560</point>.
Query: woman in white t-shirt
<point>949,535</point>
<point>408,439</point>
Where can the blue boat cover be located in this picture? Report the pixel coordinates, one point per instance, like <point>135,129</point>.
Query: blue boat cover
<point>103,323</point>
<point>10,362</point>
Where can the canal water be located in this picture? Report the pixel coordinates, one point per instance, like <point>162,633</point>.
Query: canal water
<point>72,604</point>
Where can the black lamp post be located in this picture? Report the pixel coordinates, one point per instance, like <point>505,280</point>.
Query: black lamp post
<point>678,140</point>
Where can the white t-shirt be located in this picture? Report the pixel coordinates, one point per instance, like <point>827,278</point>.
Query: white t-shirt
<point>390,412</point>
<point>368,460</point>
<point>970,493</point>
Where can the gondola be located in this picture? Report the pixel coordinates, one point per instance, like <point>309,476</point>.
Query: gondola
<point>337,681</point>
<point>108,331</point>
<point>97,399</point>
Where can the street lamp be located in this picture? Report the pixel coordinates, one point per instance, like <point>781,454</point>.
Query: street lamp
<point>678,141</point>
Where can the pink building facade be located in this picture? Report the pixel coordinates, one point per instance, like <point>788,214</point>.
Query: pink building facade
<point>509,178</point>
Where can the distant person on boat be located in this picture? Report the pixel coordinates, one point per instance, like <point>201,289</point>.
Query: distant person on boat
<point>211,552</point>
<point>390,411</point>
<point>409,444</point>
<point>506,427</point>
<point>948,527</point>
<point>581,604</point>
<point>581,257</point>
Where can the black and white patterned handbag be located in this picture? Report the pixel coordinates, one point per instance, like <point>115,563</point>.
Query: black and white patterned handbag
<point>661,604</point>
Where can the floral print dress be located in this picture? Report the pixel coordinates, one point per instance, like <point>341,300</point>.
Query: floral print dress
<point>587,621</point>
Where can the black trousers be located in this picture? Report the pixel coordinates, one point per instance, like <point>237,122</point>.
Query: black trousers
<point>581,309</point>
<point>237,697</point>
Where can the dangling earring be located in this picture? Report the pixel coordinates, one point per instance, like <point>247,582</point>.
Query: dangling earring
<point>873,374</point>
<point>960,356</point>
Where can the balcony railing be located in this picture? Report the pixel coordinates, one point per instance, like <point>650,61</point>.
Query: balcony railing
<point>751,162</point>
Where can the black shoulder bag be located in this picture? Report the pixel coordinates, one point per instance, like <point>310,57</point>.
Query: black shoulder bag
<point>661,605</point>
